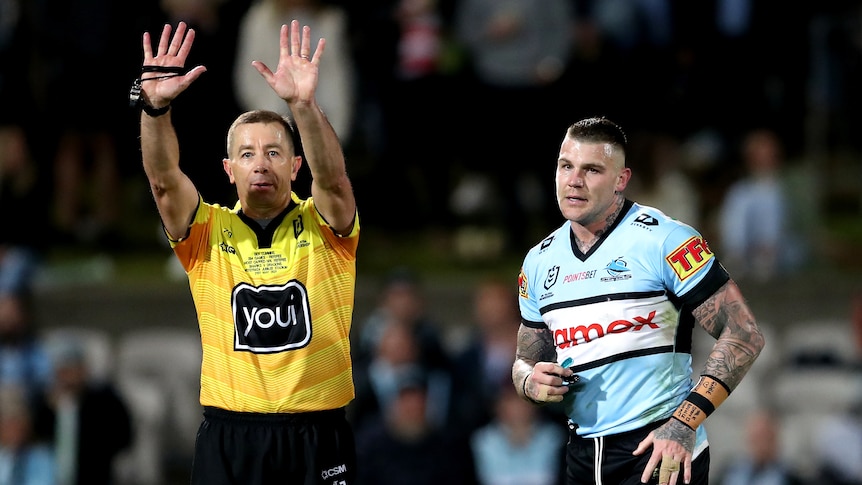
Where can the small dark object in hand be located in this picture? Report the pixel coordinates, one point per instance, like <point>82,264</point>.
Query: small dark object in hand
<point>571,380</point>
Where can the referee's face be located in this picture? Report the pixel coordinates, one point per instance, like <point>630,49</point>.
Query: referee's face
<point>262,167</point>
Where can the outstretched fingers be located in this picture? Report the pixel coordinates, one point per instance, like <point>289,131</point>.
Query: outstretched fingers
<point>295,41</point>
<point>148,48</point>
<point>284,43</point>
<point>164,40</point>
<point>305,47</point>
<point>321,44</point>
<point>181,42</point>
<point>172,49</point>
<point>264,71</point>
<point>294,38</point>
<point>186,46</point>
<point>300,40</point>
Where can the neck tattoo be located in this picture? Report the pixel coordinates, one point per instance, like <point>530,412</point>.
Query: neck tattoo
<point>586,245</point>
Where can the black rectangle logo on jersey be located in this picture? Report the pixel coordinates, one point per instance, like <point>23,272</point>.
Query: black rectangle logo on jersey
<point>271,319</point>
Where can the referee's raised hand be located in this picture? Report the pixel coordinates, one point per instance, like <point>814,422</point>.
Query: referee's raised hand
<point>162,77</point>
<point>295,77</point>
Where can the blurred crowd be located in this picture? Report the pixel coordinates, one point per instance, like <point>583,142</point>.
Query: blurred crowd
<point>734,111</point>
<point>429,410</point>
<point>417,90</point>
<point>434,400</point>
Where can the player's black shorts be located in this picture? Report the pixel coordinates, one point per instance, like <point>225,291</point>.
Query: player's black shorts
<point>616,464</point>
<point>315,448</point>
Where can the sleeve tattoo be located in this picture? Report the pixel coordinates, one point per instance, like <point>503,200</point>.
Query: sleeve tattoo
<point>727,317</point>
<point>534,345</point>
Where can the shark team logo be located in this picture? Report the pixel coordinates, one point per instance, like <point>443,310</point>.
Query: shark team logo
<point>618,270</point>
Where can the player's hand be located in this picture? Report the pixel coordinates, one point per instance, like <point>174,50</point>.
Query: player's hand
<point>295,77</point>
<point>672,446</point>
<point>171,53</point>
<point>545,383</point>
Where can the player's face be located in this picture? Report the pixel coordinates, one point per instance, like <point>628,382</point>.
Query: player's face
<point>588,177</point>
<point>262,166</point>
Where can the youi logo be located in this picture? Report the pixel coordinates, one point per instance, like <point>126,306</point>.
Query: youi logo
<point>271,318</point>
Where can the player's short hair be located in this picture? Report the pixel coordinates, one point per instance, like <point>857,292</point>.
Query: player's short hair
<point>265,116</point>
<point>598,130</point>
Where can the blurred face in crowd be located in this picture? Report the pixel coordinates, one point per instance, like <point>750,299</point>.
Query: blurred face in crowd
<point>397,345</point>
<point>15,420</point>
<point>762,152</point>
<point>762,438</point>
<point>403,302</point>
<point>13,318</point>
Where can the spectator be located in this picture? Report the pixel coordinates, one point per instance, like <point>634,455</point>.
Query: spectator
<point>398,355</point>
<point>838,439</point>
<point>402,299</point>
<point>24,361</point>
<point>21,249</point>
<point>23,459</point>
<point>335,89</point>
<point>484,364</point>
<point>840,436</point>
<point>404,447</point>
<point>87,420</point>
<point>15,52</point>
<point>516,53</point>
<point>662,181</point>
<point>520,446</point>
<point>760,463</point>
<point>85,147</point>
<point>418,87</point>
<point>754,218</point>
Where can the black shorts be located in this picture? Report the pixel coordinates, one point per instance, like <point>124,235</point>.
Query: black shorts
<point>315,448</point>
<point>617,465</point>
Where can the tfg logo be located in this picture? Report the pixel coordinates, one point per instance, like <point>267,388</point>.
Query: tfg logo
<point>271,318</point>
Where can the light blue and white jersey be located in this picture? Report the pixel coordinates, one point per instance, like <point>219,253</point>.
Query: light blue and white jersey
<point>621,316</point>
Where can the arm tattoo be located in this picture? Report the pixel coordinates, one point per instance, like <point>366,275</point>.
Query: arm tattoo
<point>534,345</point>
<point>727,317</point>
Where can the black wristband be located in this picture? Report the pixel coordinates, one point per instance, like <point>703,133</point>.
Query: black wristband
<point>702,402</point>
<point>153,112</point>
<point>137,98</point>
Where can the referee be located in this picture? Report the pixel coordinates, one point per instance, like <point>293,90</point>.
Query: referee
<point>272,278</point>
